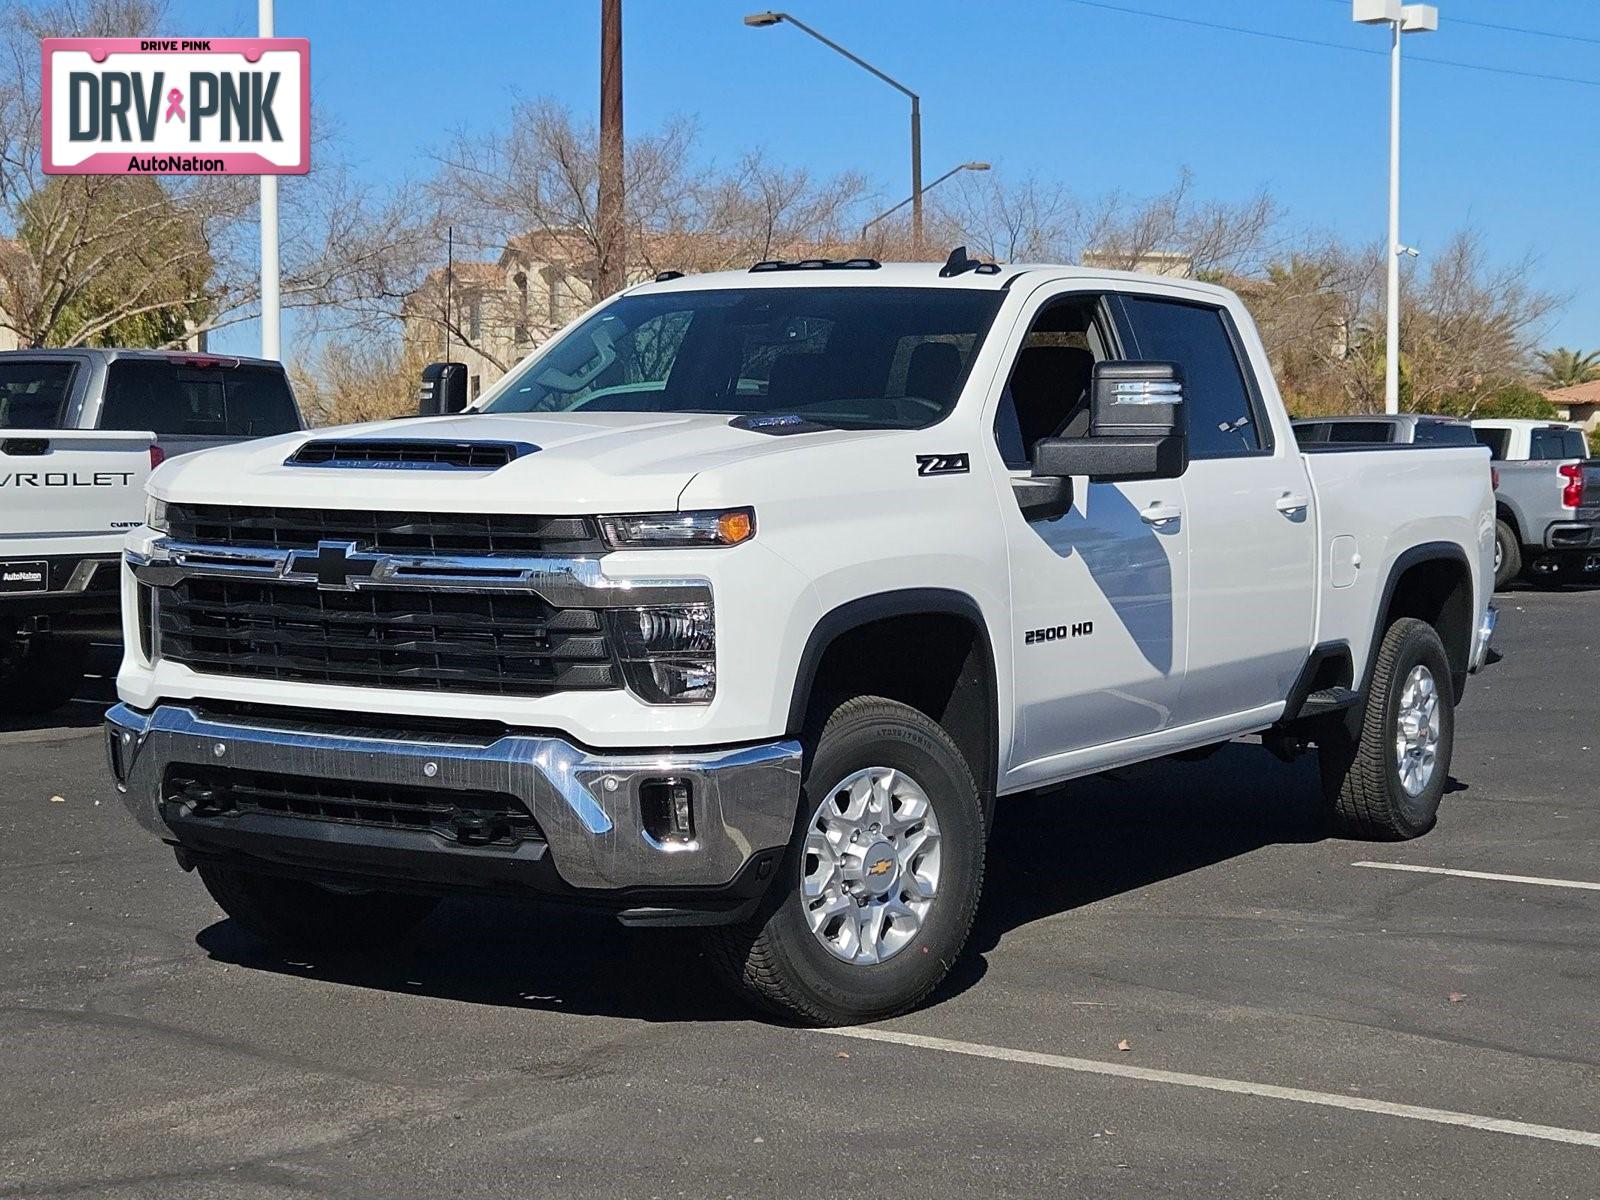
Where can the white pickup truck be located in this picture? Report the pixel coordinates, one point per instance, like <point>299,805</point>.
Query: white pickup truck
<point>744,601</point>
<point>69,493</point>
<point>80,430</point>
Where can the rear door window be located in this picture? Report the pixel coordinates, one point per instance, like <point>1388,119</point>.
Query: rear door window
<point>33,395</point>
<point>178,399</point>
<point>1224,418</point>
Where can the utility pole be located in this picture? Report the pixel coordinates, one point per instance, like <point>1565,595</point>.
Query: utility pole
<point>612,268</point>
<point>271,300</point>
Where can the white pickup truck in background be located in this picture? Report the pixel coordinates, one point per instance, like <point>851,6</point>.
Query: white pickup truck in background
<point>1547,501</point>
<point>79,432</point>
<point>746,599</point>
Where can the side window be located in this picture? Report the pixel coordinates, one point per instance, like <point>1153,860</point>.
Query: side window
<point>1498,441</point>
<point>1224,419</point>
<point>1047,393</point>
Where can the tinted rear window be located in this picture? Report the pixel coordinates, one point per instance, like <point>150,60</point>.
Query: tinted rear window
<point>1443,433</point>
<point>33,395</point>
<point>1544,444</point>
<point>1360,431</point>
<point>176,399</point>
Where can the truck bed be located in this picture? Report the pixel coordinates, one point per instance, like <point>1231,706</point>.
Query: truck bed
<point>1368,516</point>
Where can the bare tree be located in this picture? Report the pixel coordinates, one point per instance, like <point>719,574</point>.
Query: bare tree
<point>357,380</point>
<point>155,259</point>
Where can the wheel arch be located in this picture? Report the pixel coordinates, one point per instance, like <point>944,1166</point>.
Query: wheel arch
<point>864,645</point>
<point>1432,582</point>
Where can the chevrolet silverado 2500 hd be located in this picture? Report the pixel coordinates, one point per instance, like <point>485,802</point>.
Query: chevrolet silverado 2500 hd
<point>745,600</point>
<point>79,432</point>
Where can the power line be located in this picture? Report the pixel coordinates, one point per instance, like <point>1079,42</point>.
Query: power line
<point>1305,41</point>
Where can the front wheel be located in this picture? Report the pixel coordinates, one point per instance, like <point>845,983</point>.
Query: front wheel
<point>882,880</point>
<point>1385,783</point>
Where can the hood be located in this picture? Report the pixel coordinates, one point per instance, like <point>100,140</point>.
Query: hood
<point>585,463</point>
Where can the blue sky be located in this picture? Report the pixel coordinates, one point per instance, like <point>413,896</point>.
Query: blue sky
<point>1098,99</point>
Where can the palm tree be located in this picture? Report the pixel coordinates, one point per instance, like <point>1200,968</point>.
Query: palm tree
<point>1568,368</point>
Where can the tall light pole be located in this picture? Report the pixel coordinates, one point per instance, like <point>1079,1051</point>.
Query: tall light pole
<point>763,19</point>
<point>1401,19</point>
<point>889,212</point>
<point>271,299</point>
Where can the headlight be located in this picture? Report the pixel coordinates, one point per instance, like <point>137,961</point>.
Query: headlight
<point>668,652</point>
<point>155,514</point>
<point>715,527</point>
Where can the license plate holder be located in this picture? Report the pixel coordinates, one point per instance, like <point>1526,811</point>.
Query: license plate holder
<point>20,577</point>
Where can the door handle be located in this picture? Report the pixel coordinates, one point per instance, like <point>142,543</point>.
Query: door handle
<point>1292,502</point>
<point>1160,512</point>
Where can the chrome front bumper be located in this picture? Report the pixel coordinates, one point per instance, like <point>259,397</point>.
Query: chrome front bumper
<point>586,803</point>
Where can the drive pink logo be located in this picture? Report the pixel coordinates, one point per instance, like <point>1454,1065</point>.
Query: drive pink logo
<point>177,106</point>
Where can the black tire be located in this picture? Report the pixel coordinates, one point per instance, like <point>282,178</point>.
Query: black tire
<point>294,914</point>
<point>1361,775</point>
<point>40,674</point>
<point>777,962</point>
<point>1508,552</point>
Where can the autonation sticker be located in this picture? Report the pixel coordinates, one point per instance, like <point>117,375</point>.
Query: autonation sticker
<point>177,106</point>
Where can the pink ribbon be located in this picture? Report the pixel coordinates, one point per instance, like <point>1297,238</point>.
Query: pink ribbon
<point>175,106</point>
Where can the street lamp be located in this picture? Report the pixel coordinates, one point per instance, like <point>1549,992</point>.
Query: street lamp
<point>1401,18</point>
<point>889,212</point>
<point>762,20</point>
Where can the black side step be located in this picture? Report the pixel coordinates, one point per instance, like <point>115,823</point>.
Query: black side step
<point>1328,700</point>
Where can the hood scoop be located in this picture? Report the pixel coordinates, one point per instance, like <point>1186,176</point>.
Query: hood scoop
<point>408,454</point>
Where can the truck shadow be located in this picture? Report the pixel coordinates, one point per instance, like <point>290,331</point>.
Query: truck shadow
<point>97,693</point>
<point>1051,852</point>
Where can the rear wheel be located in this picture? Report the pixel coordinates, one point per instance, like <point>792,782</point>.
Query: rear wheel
<point>1507,555</point>
<point>40,674</point>
<point>878,891</point>
<point>1386,782</point>
<point>295,914</point>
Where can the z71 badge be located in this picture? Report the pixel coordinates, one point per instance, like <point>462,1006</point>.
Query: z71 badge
<point>942,464</point>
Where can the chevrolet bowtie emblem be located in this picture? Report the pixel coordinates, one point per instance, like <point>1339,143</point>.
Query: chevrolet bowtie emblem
<point>335,565</point>
<point>881,867</point>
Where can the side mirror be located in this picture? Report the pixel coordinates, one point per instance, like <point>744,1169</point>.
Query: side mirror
<point>1138,427</point>
<point>443,390</point>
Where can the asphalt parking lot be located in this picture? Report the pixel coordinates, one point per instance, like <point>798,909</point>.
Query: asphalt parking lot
<point>1295,1025</point>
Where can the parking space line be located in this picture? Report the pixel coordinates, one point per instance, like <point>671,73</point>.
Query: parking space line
<point>1561,883</point>
<point>1270,1091</point>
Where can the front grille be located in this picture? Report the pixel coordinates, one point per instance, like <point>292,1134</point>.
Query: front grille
<point>403,453</point>
<point>497,643</point>
<point>473,818</point>
<point>452,534</point>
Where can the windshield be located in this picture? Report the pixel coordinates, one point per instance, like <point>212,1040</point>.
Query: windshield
<point>852,357</point>
<point>33,395</point>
